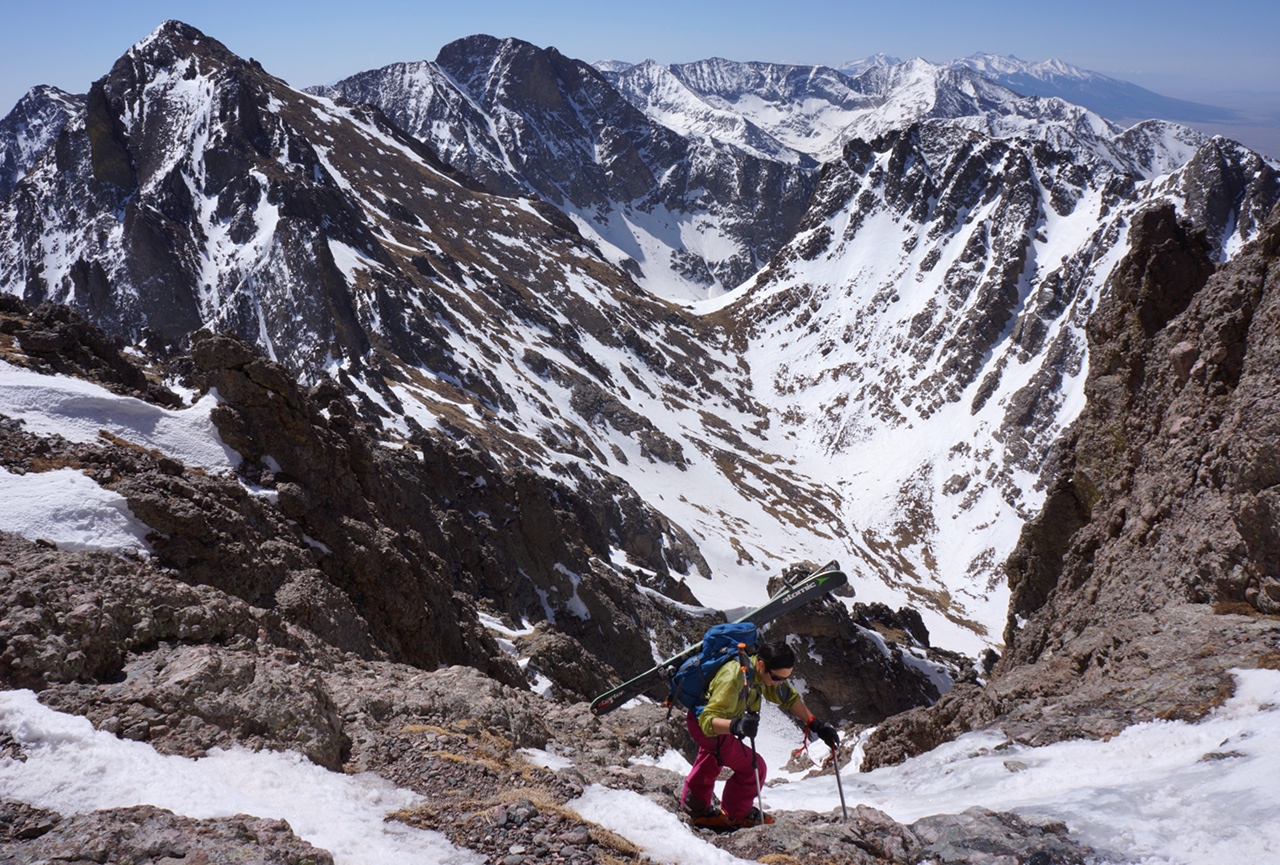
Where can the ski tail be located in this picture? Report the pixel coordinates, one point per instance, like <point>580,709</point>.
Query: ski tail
<point>632,688</point>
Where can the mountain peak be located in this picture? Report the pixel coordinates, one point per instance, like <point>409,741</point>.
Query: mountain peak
<point>174,40</point>
<point>855,67</point>
<point>615,66</point>
<point>169,31</point>
<point>1117,100</point>
<point>42,94</point>
<point>30,127</point>
<point>483,45</point>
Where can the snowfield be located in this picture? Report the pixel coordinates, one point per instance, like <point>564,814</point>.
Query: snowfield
<point>1162,793</point>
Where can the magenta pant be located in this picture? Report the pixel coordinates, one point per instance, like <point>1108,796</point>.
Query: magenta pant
<point>713,753</point>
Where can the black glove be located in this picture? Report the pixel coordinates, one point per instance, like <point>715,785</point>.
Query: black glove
<point>745,727</point>
<point>825,732</point>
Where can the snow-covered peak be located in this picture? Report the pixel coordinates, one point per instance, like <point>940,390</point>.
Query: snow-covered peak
<point>28,129</point>
<point>816,110</point>
<point>697,112</point>
<point>731,80</point>
<point>44,94</point>
<point>174,35</point>
<point>856,67</point>
<point>1112,98</point>
<point>612,66</point>
<point>788,110</point>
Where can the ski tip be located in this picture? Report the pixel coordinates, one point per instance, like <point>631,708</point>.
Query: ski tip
<point>834,578</point>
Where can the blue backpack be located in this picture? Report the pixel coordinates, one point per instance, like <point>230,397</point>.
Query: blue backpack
<point>719,644</point>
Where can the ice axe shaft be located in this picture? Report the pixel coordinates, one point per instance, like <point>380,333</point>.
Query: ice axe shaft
<point>745,663</point>
<point>839,785</point>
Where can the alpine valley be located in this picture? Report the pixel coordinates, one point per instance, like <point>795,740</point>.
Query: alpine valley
<point>517,372</point>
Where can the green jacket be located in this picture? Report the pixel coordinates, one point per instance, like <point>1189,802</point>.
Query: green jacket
<point>724,695</point>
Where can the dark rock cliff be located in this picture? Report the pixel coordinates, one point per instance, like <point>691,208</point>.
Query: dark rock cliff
<point>1151,571</point>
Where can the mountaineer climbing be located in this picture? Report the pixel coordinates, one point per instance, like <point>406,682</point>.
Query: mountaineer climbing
<point>728,716</point>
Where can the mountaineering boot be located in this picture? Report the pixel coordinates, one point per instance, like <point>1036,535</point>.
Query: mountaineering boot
<point>715,820</point>
<point>719,822</point>
<point>754,817</point>
<point>696,809</point>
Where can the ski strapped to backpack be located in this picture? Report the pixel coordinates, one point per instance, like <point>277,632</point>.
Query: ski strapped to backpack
<point>796,595</point>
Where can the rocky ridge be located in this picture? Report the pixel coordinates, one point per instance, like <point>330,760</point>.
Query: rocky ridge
<point>460,740</point>
<point>209,670</point>
<point>148,834</point>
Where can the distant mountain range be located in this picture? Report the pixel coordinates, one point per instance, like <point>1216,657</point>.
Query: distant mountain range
<point>1114,99</point>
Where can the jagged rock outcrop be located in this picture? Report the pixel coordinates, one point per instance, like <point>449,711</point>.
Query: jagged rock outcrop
<point>865,670</point>
<point>150,658</point>
<point>148,834</point>
<point>1151,571</point>
<point>54,339</point>
<point>1173,457</point>
<point>870,837</point>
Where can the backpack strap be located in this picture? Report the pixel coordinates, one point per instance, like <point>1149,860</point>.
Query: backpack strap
<point>748,674</point>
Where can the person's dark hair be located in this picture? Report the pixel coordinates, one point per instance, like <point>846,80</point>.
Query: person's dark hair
<point>777,656</point>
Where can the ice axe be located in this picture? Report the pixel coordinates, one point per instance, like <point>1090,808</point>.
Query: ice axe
<point>834,761</point>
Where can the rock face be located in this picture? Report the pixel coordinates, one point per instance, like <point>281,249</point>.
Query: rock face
<point>148,834</point>
<point>864,667</point>
<point>1173,459</point>
<point>1151,571</point>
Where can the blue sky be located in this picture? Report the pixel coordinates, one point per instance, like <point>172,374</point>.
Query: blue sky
<point>1176,47</point>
